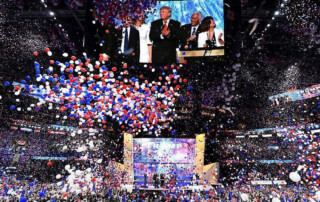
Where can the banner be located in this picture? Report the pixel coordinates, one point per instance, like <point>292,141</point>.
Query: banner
<point>275,161</point>
<point>300,94</point>
<point>268,182</point>
<point>128,157</point>
<point>26,129</point>
<point>200,145</point>
<point>49,158</point>
<point>211,173</point>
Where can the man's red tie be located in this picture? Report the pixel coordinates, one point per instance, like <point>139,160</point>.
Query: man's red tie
<point>165,25</point>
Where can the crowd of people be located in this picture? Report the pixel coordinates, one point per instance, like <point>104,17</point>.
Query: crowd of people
<point>22,190</point>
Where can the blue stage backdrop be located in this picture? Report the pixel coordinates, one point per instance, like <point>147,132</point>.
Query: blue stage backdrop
<point>168,156</point>
<point>182,10</point>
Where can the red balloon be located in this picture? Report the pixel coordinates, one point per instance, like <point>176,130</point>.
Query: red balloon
<point>93,179</point>
<point>35,53</point>
<point>114,69</point>
<point>49,164</point>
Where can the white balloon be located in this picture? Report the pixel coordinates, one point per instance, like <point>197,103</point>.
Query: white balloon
<point>67,167</point>
<point>49,53</point>
<point>317,196</point>
<point>276,200</point>
<point>58,176</point>
<point>244,197</point>
<point>65,54</point>
<point>294,176</point>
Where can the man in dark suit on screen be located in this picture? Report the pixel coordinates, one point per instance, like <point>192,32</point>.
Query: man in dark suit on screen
<point>164,34</point>
<point>122,44</point>
<point>189,32</point>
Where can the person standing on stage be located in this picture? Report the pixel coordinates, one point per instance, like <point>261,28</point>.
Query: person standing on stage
<point>154,178</point>
<point>164,34</point>
<point>190,32</point>
<point>158,180</point>
<point>162,180</point>
<point>209,37</point>
<point>122,44</point>
<point>145,179</point>
<point>145,43</point>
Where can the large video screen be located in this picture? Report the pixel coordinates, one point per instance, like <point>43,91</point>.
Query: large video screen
<point>193,32</point>
<point>163,156</point>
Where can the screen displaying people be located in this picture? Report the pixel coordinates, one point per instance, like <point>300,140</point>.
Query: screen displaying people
<point>159,37</point>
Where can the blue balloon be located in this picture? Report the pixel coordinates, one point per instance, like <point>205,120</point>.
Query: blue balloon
<point>23,200</point>
<point>41,194</point>
<point>7,83</point>
<point>31,184</point>
<point>12,107</point>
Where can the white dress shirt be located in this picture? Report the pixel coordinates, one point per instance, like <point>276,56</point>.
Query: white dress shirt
<point>195,30</point>
<point>203,37</point>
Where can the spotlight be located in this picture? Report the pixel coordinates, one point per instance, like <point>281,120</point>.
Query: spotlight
<point>51,13</point>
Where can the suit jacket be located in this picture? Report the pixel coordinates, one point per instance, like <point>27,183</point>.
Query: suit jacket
<point>112,45</point>
<point>185,33</point>
<point>164,50</point>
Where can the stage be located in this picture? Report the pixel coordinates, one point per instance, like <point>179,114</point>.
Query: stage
<point>130,188</point>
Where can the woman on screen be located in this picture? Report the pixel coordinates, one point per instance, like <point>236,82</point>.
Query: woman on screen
<point>209,37</point>
<point>145,43</point>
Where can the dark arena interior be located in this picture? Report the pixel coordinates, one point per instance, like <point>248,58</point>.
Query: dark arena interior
<point>160,100</point>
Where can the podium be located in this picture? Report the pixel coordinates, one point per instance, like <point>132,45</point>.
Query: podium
<point>198,53</point>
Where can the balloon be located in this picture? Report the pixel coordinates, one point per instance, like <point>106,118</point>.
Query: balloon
<point>23,199</point>
<point>58,176</point>
<point>317,196</point>
<point>41,194</point>
<point>67,167</point>
<point>49,164</point>
<point>294,176</point>
<point>244,197</point>
<point>276,200</point>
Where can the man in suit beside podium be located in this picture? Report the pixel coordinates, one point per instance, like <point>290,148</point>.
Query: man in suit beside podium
<point>164,34</point>
<point>190,32</point>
